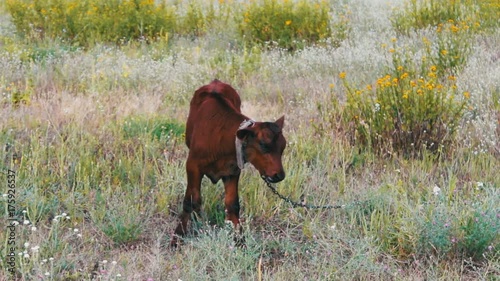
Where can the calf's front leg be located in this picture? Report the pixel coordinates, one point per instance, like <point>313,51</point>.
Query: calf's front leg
<point>232,206</point>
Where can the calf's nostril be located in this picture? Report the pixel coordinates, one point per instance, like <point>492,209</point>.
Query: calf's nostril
<point>278,177</point>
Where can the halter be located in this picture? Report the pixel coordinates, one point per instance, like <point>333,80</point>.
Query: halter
<point>240,154</point>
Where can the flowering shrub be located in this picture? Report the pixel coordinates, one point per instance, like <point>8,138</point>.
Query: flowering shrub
<point>488,14</point>
<point>89,21</point>
<point>288,24</point>
<point>421,14</point>
<point>452,48</point>
<point>410,109</point>
<point>418,14</point>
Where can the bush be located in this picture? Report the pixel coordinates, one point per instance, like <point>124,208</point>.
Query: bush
<point>488,14</point>
<point>288,24</point>
<point>414,107</point>
<point>418,14</point>
<point>452,48</point>
<point>415,224</point>
<point>89,21</point>
<point>194,22</point>
<point>421,14</point>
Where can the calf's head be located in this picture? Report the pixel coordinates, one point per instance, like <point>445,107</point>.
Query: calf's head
<point>263,144</point>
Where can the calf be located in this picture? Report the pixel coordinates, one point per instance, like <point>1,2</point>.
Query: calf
<point>220,141</point>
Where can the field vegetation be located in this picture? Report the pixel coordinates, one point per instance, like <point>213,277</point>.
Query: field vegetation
<point>392,110</point>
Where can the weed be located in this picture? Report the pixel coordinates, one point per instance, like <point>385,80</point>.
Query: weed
<point>415,106</point>
<point>286,24</point>
<point>89,22</point>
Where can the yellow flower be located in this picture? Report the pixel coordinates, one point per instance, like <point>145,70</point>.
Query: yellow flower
<point>395,81</point>
<point>404,75</point>
<point>288,22</point>
<point>432,74</point>
<point>391,50</point>
<point>444,52</point>
<point>467,95</point>
<point>413,83</point>
<point>393,39</point>
<point>342,75</point>
<point>380,82</point>
<point>369,87</point>
<point>433,68</point>
<point>452,78</point>
<point>399,68</point>
<point>454,28</point>
<point>331,86</point>
<point>405,96</point>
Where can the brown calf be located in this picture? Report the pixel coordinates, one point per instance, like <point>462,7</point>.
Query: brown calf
<point>220,140</point>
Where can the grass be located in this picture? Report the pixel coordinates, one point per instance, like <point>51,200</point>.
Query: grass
<point>95,136</point>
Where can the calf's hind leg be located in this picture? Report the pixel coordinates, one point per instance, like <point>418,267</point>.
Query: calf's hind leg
<point>192,201</point>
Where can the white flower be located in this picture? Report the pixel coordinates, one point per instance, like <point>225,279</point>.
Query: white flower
<point>47,273</point>
<point>33,228</point>
<point>25,222</point>
<point>436,190</point>
<point>26,244</point>
<point>104,261</point>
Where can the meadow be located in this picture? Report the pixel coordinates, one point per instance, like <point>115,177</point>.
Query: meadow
<point>392,109</point>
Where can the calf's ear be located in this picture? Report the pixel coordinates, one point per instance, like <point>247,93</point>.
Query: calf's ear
<point>280,122</point>
<point>244,133</point>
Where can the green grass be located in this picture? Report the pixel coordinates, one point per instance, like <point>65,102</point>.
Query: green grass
<point>95,136</point>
